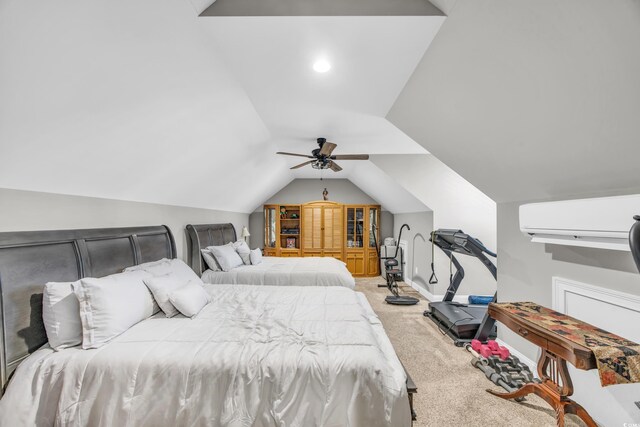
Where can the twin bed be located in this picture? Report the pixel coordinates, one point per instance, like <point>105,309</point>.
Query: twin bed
<point>274,271</point>
<point>255,355</point>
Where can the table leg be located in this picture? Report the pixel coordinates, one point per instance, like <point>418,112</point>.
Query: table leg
<point>575,408</point>
<point>521,392</point>
<point>555,389</point>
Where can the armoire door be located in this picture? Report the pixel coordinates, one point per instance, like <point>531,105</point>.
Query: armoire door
<point>271,230</point>
<point>373,239</point>
<point>332,231</point>
<point>355,262</point>
<point>355,228</point>
<point>312,231</point>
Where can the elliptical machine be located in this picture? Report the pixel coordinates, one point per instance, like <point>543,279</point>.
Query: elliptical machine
<point>394,271</point>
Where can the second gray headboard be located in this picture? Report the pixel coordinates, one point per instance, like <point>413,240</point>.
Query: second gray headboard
<point>202,235</point>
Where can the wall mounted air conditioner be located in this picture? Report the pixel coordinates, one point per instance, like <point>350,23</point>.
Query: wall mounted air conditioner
<point>595,223</point>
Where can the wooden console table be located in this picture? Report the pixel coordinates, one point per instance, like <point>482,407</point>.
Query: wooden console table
<point>557,350</point>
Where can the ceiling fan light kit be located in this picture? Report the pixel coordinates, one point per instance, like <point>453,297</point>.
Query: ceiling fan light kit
<point>322,157</point>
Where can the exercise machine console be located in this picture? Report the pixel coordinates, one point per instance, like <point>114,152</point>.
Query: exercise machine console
<point>462,322</point>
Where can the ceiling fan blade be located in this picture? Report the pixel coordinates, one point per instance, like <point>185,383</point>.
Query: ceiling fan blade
<point>303,164</point>
<point>335,167</point>
<point>350,157</point>
<point>327,148</point>
<point>295,154</point>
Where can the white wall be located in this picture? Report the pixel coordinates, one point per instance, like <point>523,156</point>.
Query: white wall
<point>27,210</point>
<point>456,204</point>
<point>308,190</point>
<point>526,268</point>
<point>301,191</point>
<point>525,274</point>
<point>418,255</point>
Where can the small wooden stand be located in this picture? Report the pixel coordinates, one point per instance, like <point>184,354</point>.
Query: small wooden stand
<point>556,385</point>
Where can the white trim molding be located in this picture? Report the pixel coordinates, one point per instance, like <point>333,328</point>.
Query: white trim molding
<point>617,312</point>
<point>431,297</point>
<point>562,287</point>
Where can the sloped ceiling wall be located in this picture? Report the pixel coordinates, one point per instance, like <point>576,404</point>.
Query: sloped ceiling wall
<point>456,204</point>
<point>134,101</point>
<point>366,185</point>
<point>126,100</point>
<point>531,99</point>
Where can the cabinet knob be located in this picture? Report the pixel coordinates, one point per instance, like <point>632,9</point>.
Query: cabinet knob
<point>523,332</point>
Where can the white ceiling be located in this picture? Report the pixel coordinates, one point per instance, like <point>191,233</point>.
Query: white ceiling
<point>371,58</point>
<point>146,101</point>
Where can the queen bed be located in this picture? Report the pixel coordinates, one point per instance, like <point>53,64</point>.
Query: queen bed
<point>275,271</point>
<point>282,355</point>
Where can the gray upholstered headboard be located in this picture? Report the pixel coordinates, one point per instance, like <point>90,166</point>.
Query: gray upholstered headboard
<point>30,259</point>
<point>203,235</point>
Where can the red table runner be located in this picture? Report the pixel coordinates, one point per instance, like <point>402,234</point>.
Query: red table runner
<point>618,359</point>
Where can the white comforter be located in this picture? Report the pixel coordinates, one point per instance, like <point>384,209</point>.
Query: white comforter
<point>255,356</point>
<point>298,271</point>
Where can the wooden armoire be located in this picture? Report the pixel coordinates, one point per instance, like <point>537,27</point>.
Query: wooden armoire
<point>325,229</point>
<point>322,229</point>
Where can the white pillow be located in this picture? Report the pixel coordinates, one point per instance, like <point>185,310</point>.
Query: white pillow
<point>110,305</point>
<point>181,269</point>
<point>209,259</point>
<point>166,266</point>
<point>227,257</point>
<point>155,268</point>
<point>244,251</point>
<point>256,256</point>
<point>61,315</point>
<point>161,287</point>
<point>190,299</point>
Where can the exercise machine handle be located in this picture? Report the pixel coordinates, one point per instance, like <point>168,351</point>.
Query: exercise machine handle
<point>433,279</point>
<point>375,240</point>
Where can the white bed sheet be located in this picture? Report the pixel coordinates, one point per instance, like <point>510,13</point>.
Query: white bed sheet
<point>255,356</point>
<point>286,271</point>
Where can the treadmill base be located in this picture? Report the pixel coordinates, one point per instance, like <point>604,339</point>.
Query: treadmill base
<point>446,330</point>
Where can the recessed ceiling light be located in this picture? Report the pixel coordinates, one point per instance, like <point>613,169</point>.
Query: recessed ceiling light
<point>321,66</point>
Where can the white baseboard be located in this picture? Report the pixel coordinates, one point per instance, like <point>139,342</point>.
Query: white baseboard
<point>431,297</point>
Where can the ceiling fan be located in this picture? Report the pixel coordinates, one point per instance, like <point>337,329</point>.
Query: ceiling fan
<point>322,158</point>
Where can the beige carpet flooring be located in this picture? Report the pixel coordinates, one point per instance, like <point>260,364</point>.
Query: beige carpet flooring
<point>451,392</point>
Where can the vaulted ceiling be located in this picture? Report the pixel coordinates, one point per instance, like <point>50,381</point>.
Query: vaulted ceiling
<point>372,58</point>
<point>147,101</point>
